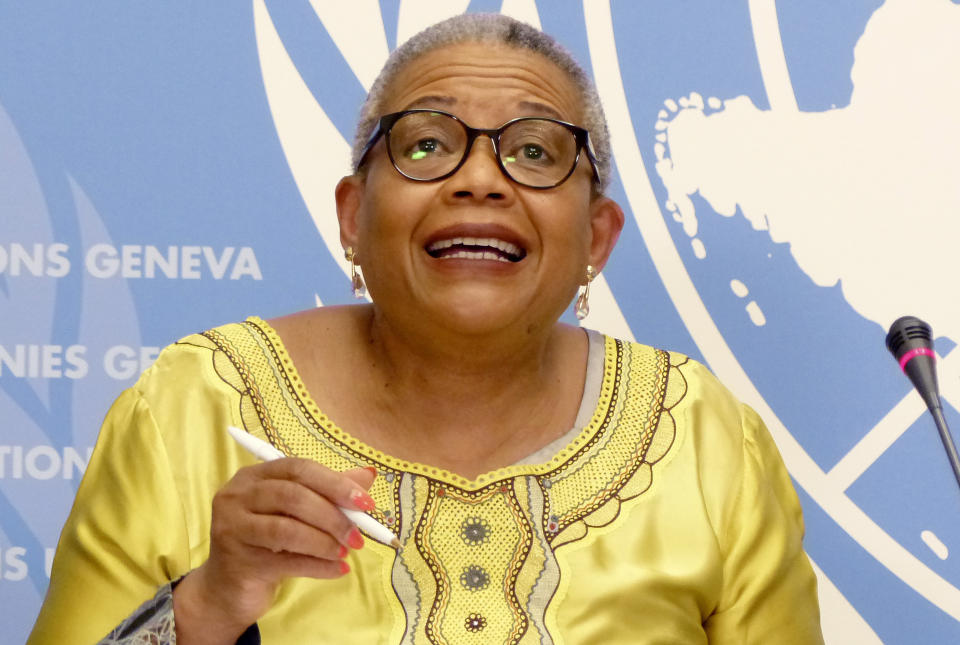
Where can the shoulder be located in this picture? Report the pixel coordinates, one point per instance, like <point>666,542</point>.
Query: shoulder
<point>204,367</point>
<point>726,440</point>
<point>197,387</point>
<point>692,385</point>
<point>696,386</point>
<point>714,429</point>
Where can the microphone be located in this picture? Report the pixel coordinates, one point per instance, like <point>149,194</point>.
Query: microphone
<point>910,340</point>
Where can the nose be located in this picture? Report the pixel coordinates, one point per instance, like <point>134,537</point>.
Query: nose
<point>480,177</point>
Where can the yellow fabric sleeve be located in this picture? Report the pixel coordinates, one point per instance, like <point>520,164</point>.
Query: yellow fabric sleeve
<point>711,553</point>
<point>141,516</point>
<point>96,582</point>
<point>768,580</point>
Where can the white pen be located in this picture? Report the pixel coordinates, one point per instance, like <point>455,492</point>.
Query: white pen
<point>263,450</point>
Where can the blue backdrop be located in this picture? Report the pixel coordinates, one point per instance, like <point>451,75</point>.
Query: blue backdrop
<point>167,167</point>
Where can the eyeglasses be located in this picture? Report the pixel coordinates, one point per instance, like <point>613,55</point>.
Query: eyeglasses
<point>429,145</point>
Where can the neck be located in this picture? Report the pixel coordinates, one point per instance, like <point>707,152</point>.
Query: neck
<point>472,359</point>
<point>483,396</point>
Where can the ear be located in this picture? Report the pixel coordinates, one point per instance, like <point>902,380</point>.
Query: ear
<point>606,222</point>
<point>349,196</point>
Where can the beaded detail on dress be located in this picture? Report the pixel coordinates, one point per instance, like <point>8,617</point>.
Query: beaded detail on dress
<point>478,560</point>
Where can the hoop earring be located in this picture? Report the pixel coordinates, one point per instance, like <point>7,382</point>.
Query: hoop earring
<point>356,280</point>
<point>582,308</point>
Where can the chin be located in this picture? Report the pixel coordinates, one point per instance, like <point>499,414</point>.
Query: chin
<point>477,321</point>
<point>472,315</point>
<point>476,314</point>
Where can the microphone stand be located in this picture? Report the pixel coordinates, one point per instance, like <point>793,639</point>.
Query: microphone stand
<point>910,340</point>
<point>948,445</point>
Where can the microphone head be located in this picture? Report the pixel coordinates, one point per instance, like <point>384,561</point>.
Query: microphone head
<point>908,333</point>
<point>910,340</point>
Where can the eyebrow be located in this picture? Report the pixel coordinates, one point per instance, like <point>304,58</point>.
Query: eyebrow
<point>541,109</point>
<point>534,108</point>
<point>430,101</point>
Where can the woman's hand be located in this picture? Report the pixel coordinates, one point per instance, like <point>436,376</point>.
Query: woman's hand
<point>272,521</point>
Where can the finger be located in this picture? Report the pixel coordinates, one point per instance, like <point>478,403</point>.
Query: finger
<point>292,499</point>
<point>242,518</point>
<point>280,534</point>
<point>296,565</point>
<point>336,487</point>
<point>363,476</point>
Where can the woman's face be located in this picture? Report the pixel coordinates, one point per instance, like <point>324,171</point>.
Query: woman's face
<point>418,242</point>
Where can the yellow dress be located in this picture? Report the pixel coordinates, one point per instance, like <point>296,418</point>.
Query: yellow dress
<point>669,518</point>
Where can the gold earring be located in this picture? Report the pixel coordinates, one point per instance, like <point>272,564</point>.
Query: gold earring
<point>356,280</point>
<point>582,308</point>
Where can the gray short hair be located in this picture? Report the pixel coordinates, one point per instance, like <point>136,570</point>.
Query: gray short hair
<point>495,28</point>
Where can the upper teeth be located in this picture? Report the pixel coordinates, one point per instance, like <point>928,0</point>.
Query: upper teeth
<point>504,246</point>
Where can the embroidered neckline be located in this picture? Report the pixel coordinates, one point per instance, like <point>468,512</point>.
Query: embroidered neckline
<point>494,538</point>
<point>598,420</point>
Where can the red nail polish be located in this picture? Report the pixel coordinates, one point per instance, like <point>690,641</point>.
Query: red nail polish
<point>342,552</point>
<point>344,567</point>
<point>362,501</point>
<point>371,469</point>
<point>354,539</point>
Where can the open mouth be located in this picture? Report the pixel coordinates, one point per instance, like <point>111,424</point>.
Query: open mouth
<point>475,248</point>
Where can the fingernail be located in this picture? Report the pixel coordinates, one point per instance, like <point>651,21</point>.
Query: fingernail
<point>362,500</point>
<point>344,567</point>
<point>342,552</point>
<point>354,539</point>
<point>371,469</point>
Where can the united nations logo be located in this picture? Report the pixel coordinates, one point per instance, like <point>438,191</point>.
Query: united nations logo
<point>791,181</point>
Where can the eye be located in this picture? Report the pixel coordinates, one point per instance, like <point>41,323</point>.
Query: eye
<point>533,152</point>
<point>427,141</point>
<point>422,148</point>
<point>529,153</point>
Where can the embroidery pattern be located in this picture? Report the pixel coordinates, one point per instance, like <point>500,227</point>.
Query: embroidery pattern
<point>475,623</point>
<point>474,531</point>
<point>274,407</point>
<point>496,577</point>
<point>499,558</point>
<point>150,624</point>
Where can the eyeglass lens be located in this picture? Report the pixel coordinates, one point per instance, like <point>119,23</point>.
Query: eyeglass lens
<point>535,152</point>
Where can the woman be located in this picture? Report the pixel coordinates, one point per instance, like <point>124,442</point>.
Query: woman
<point>545,484</point>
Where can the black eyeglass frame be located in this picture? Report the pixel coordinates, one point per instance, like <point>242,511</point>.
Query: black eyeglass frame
<point>387,121</point>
